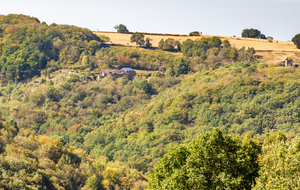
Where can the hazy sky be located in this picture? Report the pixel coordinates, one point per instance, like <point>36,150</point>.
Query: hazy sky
<point>277,18</point>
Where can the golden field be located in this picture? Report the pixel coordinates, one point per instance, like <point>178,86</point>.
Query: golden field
<point>266,51</point>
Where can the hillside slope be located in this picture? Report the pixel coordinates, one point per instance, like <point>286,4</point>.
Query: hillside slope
<point>61,126</point>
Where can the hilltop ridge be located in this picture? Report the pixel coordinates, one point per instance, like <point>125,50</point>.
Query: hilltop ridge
<point>268,51</point>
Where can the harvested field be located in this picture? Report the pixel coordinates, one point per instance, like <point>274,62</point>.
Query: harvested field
<point>266,51</point>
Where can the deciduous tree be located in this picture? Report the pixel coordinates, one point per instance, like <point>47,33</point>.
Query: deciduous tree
<point>121,28</point>
<point>148,42</point>
<point>182,67</point>
<point>161,44</point>
<point>296,40</point>
<point>253,33</point>
<point>279,163</point>
<point>137,38</point>
<point>212,161</point>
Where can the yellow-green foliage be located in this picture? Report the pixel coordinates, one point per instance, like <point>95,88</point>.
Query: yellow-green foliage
<point>28,160</point>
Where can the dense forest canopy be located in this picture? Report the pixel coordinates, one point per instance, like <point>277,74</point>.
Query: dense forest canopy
<point>28,45</point>
<point>72,130</point>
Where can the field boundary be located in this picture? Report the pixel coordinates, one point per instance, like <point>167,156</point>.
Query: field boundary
<point>145,33</point>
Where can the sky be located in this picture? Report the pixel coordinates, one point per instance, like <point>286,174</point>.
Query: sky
<point>276,18</point>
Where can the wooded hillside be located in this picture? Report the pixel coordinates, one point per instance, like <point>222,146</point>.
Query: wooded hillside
<point>73,130</point>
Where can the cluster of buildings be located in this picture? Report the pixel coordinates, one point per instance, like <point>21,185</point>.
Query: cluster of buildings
<point>116,73</point>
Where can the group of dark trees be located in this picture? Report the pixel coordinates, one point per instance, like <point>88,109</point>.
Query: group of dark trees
<point>121,28</point>
<point>210,52</point>
<point>139,39</point>
<point>169,45</point>
<point>253,33</point>
<point>195,33</point>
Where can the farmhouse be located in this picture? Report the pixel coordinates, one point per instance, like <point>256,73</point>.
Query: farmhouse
<point>115,73</point>
<point>287,62</point>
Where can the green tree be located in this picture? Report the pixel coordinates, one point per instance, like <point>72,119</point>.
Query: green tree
<point>296,40</point>
<point>212,161</point>
<point>169,72</point>
<point>182,67</point>
<point>253,33</point>
<point>195,33</point>
<point>92,183</point>
<point>187,47</point>
<point>215,42</point>
<point>178,45</point>
<point>121,28</point>
<point>226,44</point>
<point>279,163</point>
<point>233,53</point>
<point>161,44</point>
<point>146,86</point>
<point>169,44</point>
<point>148,42</point>
<point>137,38</point>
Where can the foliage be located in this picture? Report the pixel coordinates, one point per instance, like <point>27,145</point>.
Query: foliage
<point>137,38</point>
<point>169,44</point>
<point>28,46</point>
<point>121,28</point>
<point>212,161</point>
<point>77,130</point>
<point>178,45</point>
<point>138,121</point>
<point>196,48</point>
<point>29,161</point>
<point>296,40</point>
<point>279,163</point>
<point>226,44</point>
<point>169,72</point>
<point>138,58</point>
<point>253,33</point>
<point>208,52</point>
<point>182,67</point>
<point>104,38</point>
<point>195,33</point>
<point>161,44</point>
<point>148,42</point>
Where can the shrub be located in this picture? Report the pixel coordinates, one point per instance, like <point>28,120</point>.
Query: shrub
<point>195,33</point>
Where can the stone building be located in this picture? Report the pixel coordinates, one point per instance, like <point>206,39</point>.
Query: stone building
<point>115,73</point>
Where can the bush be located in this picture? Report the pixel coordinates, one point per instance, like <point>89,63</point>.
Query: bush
<point>121,28</point>
<point>195,33</point>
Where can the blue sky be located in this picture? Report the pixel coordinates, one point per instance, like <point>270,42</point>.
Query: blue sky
<point>276,18</point>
